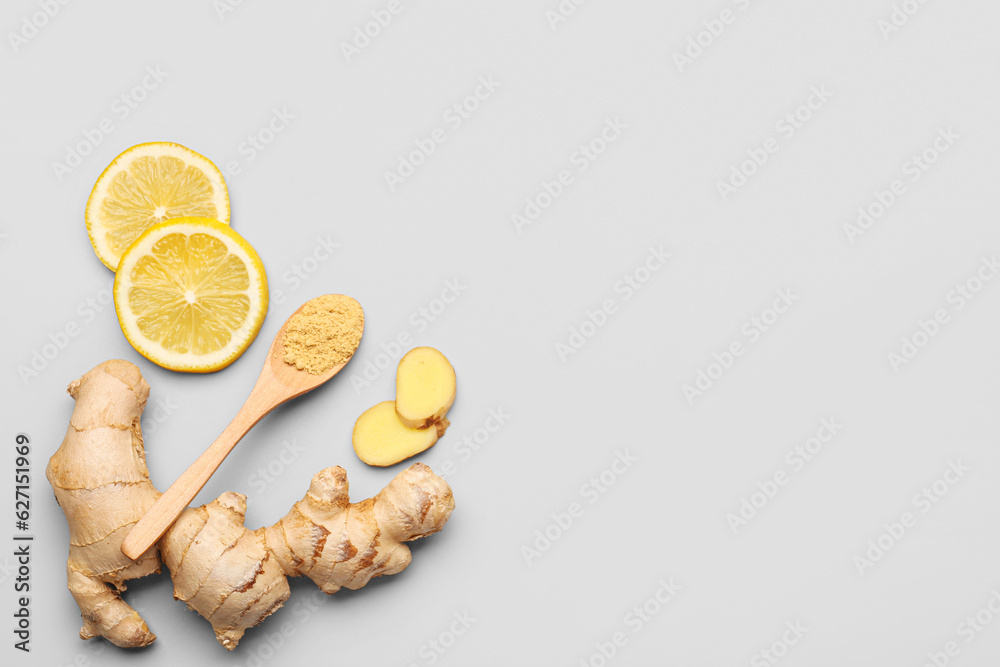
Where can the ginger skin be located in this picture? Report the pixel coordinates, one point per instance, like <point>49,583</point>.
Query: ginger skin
<point>101,482</point>
<point>230,575</point>
<point>222,570</point>
<point>235,577</point>
<point>337,544</point>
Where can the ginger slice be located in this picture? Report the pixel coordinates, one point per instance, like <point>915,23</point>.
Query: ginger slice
<point>425,387</point>
<point>380,439</point>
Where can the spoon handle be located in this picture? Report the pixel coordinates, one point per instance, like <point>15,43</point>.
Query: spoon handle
<point>165,511</point>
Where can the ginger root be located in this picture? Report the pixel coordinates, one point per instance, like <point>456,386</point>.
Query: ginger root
<point>425,387</point>
<point>100,480</point>
<point>230,575</point>
<point>235,578</point>
<point>222,570</point>
<point>342,545</point>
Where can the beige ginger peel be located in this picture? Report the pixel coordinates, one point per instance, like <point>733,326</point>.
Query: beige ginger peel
<point>232,576</point>
<point>236,578</point>
<point>324,334</point>
<point>100,480</point>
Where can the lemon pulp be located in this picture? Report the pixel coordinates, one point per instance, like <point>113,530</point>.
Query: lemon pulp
<point>151,190</point>
<point>146,185</point>
<point>190,294</point>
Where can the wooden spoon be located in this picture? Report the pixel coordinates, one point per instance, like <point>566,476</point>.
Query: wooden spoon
<point>278,382</point>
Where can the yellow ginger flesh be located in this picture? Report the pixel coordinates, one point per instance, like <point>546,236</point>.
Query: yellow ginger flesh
<point>380,439</point>
<point>425,387</point>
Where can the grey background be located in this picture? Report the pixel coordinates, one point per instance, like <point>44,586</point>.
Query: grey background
<point>322,176</point>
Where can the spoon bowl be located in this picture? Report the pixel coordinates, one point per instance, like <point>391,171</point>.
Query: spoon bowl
<point>278,383</point>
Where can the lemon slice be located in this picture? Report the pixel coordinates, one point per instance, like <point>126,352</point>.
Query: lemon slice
<point>190,294</point>
<point>147,184</point>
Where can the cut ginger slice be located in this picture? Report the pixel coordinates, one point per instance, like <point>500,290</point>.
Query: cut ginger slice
<point>425,387</point>
<point>380,439</point>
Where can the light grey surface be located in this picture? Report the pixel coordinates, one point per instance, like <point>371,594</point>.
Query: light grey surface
<point>322,177</point>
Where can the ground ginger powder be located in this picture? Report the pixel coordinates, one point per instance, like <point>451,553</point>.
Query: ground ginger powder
<point>324,334</point>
